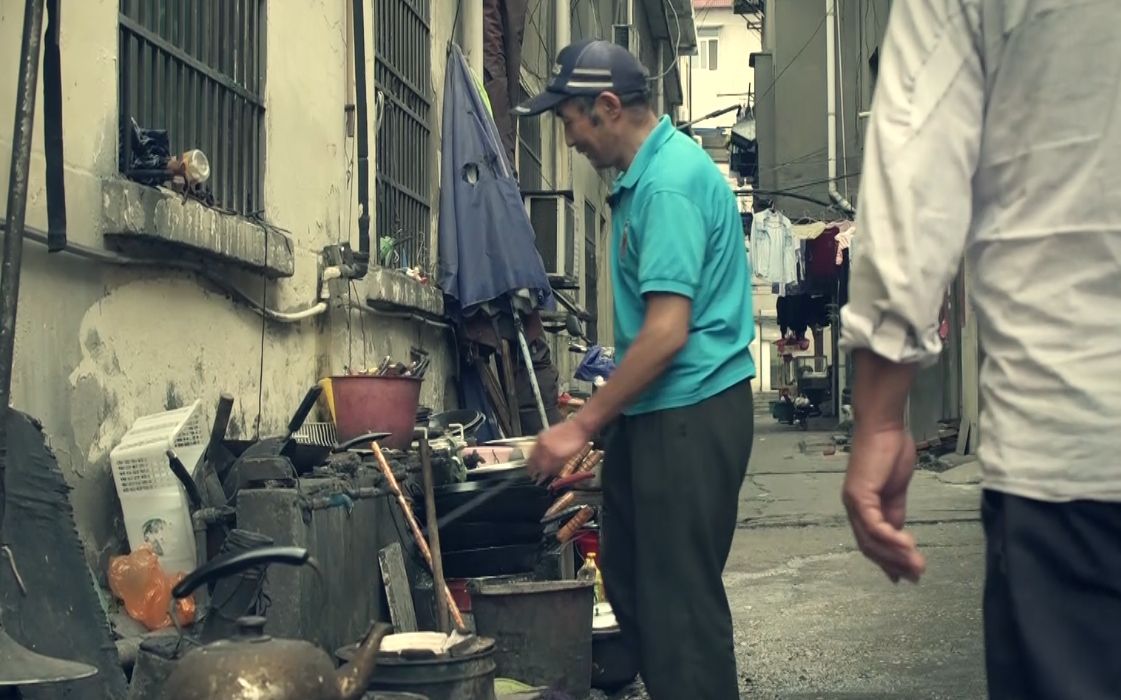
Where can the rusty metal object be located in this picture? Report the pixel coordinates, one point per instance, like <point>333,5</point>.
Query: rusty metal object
<point>255,665</point>
<point>410,518</point>
<point>252,664</point>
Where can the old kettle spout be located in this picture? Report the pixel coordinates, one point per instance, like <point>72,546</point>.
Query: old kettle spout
<point>354,677</point>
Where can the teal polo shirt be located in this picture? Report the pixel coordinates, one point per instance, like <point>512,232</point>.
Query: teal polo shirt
<point>676,229</point>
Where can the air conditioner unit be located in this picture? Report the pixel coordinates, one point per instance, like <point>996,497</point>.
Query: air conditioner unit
<point>627,36</point>
<point>553,217</point>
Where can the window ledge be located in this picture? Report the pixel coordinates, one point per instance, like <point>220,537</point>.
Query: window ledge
<point>384,287</point>
<point>135,215</point>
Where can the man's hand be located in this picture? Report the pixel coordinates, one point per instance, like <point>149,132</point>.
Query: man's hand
<point>875,496</point>
<point>665,331</point>
<point>556,446</point>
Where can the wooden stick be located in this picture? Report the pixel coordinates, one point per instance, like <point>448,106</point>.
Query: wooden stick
<point>507,365</point>
<point>589,463</point>
<point>421,544</point>
<point>494,393</point>
<point>434,534</point>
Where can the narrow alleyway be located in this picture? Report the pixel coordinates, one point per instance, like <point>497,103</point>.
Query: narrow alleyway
<point>814,619</point>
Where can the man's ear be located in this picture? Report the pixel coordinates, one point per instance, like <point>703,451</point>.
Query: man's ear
<point>609,104</point>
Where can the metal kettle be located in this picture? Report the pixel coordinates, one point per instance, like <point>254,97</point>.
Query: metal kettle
<point>253,665</point>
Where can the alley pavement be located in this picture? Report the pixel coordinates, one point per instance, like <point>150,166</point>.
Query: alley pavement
<point>814,619</point>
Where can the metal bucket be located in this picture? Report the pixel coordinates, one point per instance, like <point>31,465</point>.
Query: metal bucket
<point>366,404</point>
<point>467,678</point>
<point>543,631</point>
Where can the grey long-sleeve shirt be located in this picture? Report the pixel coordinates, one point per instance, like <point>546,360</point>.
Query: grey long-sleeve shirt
<point>996,132</point>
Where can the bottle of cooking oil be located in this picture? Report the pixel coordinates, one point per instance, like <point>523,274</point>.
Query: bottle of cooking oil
<point>590,572</point>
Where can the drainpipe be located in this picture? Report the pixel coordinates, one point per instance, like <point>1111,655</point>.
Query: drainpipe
<point>561,153</point>
<point>831,104</point>
<point>471,34</point>
<point>363,145</point>
<point>17,213</point>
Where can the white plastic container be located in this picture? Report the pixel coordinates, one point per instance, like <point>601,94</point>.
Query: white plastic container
<point>154,502</point>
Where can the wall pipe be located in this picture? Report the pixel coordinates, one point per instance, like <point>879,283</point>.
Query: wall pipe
<point>831,105</point>
<point>363,145</point>
<point>110,258</point>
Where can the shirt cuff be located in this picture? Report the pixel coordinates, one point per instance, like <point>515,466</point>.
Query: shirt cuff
<point>889,337</point>
<point>657,286</point>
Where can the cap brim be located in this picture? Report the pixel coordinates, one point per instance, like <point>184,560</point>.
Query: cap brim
<point>545,102</point>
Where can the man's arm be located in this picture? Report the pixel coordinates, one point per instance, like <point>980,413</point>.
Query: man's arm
<point>670,238</point>
<point>665,330</point>
<point>915,214</point>
<point>879,396</point>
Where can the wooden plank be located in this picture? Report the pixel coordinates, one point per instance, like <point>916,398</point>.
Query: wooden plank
<point>397,588</point>
<point>494,394</point>
<point>508,374</point>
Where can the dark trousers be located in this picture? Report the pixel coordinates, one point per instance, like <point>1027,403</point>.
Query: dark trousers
<point>671,486</point>
<point>1052,599</point>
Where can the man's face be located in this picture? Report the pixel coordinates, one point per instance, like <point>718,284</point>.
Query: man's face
<point>588,132</point>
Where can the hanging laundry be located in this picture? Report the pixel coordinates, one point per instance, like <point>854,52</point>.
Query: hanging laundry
<point>810,231</point>
<point>821,255</point>
<point>944,318</point>
<point>799,312</point>
<point>844,242</point>
<point>774,253</point>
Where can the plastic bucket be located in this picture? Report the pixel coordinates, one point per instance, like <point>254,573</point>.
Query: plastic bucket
<point>365,404</point>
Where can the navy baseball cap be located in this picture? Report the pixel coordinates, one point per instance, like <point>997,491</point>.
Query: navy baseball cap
<point>588,68</point>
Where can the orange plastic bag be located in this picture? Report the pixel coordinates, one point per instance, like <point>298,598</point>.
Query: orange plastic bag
<point>139,581</point>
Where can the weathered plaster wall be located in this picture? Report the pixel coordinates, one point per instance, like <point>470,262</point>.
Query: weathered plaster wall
<point>99,346</point>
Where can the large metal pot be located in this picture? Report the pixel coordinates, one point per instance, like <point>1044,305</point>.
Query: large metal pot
<point>254,666</point>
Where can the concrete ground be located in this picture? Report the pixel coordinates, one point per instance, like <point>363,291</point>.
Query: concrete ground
<point>814,619</point>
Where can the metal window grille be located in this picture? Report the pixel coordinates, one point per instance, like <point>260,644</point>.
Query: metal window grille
<point>196,68</point>
<point>591,270</point>
<point>530,161</point>
<point>403,78</point>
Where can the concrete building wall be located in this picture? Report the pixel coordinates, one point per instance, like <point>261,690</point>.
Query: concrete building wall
<point>791,104</point>
<point>568,170</point>
<point>709,89</point>
<point>99,345</point>
<point>790,89</point>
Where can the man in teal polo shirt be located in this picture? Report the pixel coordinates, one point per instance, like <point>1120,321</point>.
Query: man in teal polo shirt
<point>679,404</point>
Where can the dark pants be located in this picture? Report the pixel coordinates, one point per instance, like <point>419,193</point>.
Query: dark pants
<point>671,487</point>
<point>1052,599</point>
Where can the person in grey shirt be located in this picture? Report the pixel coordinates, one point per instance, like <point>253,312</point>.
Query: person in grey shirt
<point>995,133</point>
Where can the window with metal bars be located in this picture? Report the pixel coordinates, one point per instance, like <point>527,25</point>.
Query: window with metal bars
<point>196,69</point>
<point>405,159</point>
<point>530,159</point>
<point>591,270</point>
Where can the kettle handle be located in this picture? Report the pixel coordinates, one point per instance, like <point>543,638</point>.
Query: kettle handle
<point>226,566</point>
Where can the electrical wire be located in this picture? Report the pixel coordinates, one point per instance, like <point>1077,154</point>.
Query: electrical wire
<point>110,258</point>
<point>677,45</point>
<point>794,60</point>
<point>410,315</point>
